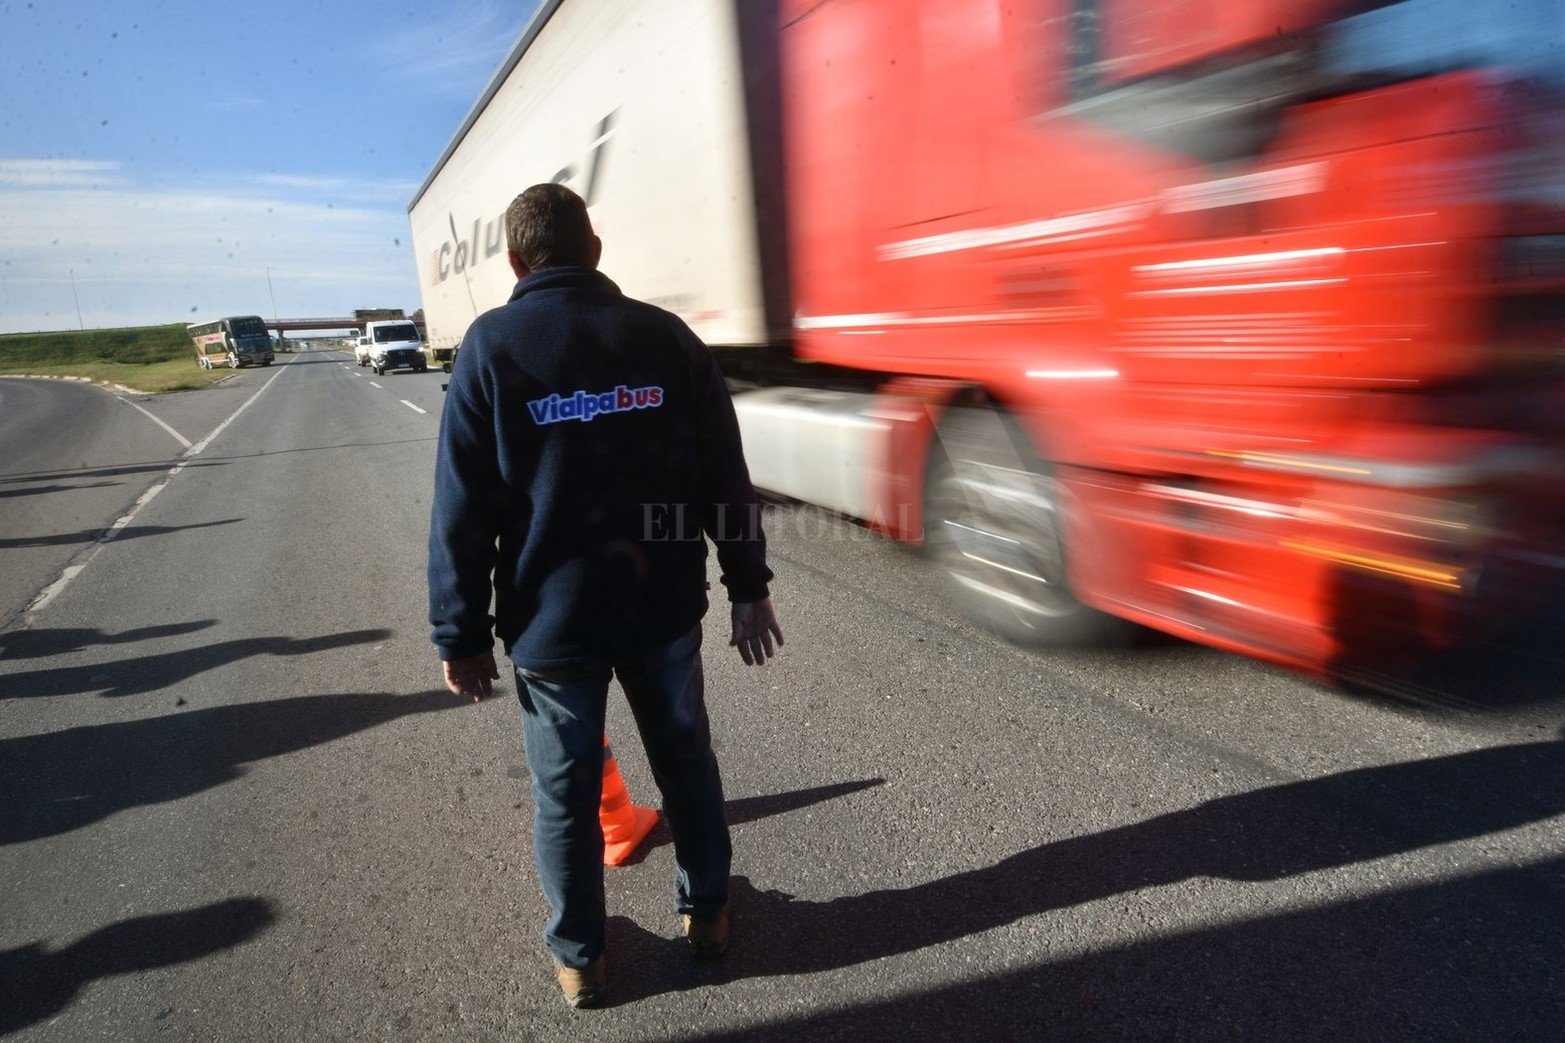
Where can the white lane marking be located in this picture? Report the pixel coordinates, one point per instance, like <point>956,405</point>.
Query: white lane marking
<point>374,385</point>
<point>47,594</point>
<point>412,406</point>
<point>70,572</point>
<point>181,439</point>
<point>196,449</point>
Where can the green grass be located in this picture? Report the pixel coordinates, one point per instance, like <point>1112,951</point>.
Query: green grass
<point>173,375</point>
<point>147,358</point>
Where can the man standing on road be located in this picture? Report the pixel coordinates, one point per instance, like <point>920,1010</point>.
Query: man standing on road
<point>586,444</point>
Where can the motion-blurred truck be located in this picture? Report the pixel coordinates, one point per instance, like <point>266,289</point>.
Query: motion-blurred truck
<point>1239,319</point>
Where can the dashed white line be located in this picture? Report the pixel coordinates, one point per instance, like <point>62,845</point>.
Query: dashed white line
<point>70,572</point>
<point>181,439</point>
<point>373,384</point>
<point>412,406</point>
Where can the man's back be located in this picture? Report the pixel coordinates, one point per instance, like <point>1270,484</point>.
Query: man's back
<point>610,434</point>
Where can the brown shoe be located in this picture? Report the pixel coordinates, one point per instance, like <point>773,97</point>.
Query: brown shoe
<point>707,935</point>
<point>582,987</point>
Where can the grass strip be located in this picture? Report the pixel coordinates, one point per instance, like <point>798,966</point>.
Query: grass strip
<point>146,358</point>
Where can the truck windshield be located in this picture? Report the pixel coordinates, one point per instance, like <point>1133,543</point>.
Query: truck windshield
<point>389,334</point>
<point>1420,37</point>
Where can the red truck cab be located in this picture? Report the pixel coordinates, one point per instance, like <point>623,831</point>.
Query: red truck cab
<point>1239,320</point>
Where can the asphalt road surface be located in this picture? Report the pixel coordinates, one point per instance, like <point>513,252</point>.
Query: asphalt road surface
<point>237,804</point>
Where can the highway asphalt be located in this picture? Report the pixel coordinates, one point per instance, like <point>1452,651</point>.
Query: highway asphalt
<point>237,804</point>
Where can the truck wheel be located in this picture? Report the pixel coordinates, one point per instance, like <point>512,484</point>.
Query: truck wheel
<point>992,521</point>
<point>445,367</point>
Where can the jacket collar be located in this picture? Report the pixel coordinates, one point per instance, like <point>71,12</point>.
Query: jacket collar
<point>564,276</point>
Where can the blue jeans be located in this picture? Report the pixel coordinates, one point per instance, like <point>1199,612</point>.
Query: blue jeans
<point>562,725</point>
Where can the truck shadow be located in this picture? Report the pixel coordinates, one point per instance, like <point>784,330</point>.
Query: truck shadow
<point>41,983</point>
<point>1475,958</point>
<point>61,781</point>
<point>1266,835</point>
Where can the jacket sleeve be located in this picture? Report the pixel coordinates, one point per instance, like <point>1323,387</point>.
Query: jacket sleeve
<point>464,517</point>
<point>730,510</point>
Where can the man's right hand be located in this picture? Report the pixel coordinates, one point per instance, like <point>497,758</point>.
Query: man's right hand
<point>473,677</point>
<point>755,627</point>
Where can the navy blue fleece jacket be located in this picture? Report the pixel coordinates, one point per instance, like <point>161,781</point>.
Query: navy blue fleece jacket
<point>587,445</point>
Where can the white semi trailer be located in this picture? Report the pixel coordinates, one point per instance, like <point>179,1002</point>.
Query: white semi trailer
<point>638,106</point>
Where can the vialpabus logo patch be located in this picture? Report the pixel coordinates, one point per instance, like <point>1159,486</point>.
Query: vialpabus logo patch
<point>587,405</point>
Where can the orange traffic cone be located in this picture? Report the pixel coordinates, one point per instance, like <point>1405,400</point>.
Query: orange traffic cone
<point>625,826</point>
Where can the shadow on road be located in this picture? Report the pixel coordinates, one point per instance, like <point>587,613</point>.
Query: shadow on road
<point>98,472</point>
<point>1477,958</point>
<point>751,809</point>
<point>42,490</point>
<point>153,672</point>
<point>60,781</point>
<point>129,532</point>
<point>51,641</point>
<point>322,448</point>
<point>1269,834</point>
<point>39,983</point>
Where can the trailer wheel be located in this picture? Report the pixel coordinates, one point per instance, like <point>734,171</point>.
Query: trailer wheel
<point>994,524</point>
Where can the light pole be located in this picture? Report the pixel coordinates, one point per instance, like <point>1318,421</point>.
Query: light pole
<point>77,298</point>
<point>273,294</point>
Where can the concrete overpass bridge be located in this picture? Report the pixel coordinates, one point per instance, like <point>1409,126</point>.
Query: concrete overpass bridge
<point>337,323</point>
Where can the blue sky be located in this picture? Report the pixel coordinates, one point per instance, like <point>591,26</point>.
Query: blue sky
<point>170,152</point>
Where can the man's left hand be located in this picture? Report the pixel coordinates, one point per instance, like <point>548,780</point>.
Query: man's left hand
<point>473,677</point>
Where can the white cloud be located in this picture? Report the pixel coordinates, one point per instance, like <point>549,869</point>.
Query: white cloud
<point>449,49</point>
<point>349,189</point>
<point>151,255</point>
<point>57,172</point>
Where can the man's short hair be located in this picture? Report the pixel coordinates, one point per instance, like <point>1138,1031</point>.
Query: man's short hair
<point>547,225</point>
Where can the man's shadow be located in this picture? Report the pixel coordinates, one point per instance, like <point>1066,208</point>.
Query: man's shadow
<point>39,983</point>
<point>1265,835</point>
<point>59,781</point>
<point>149,673</point>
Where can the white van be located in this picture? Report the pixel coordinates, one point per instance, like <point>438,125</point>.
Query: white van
<point>391,344</point>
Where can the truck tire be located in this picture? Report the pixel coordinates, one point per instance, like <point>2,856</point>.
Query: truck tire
<point>993,524</point>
